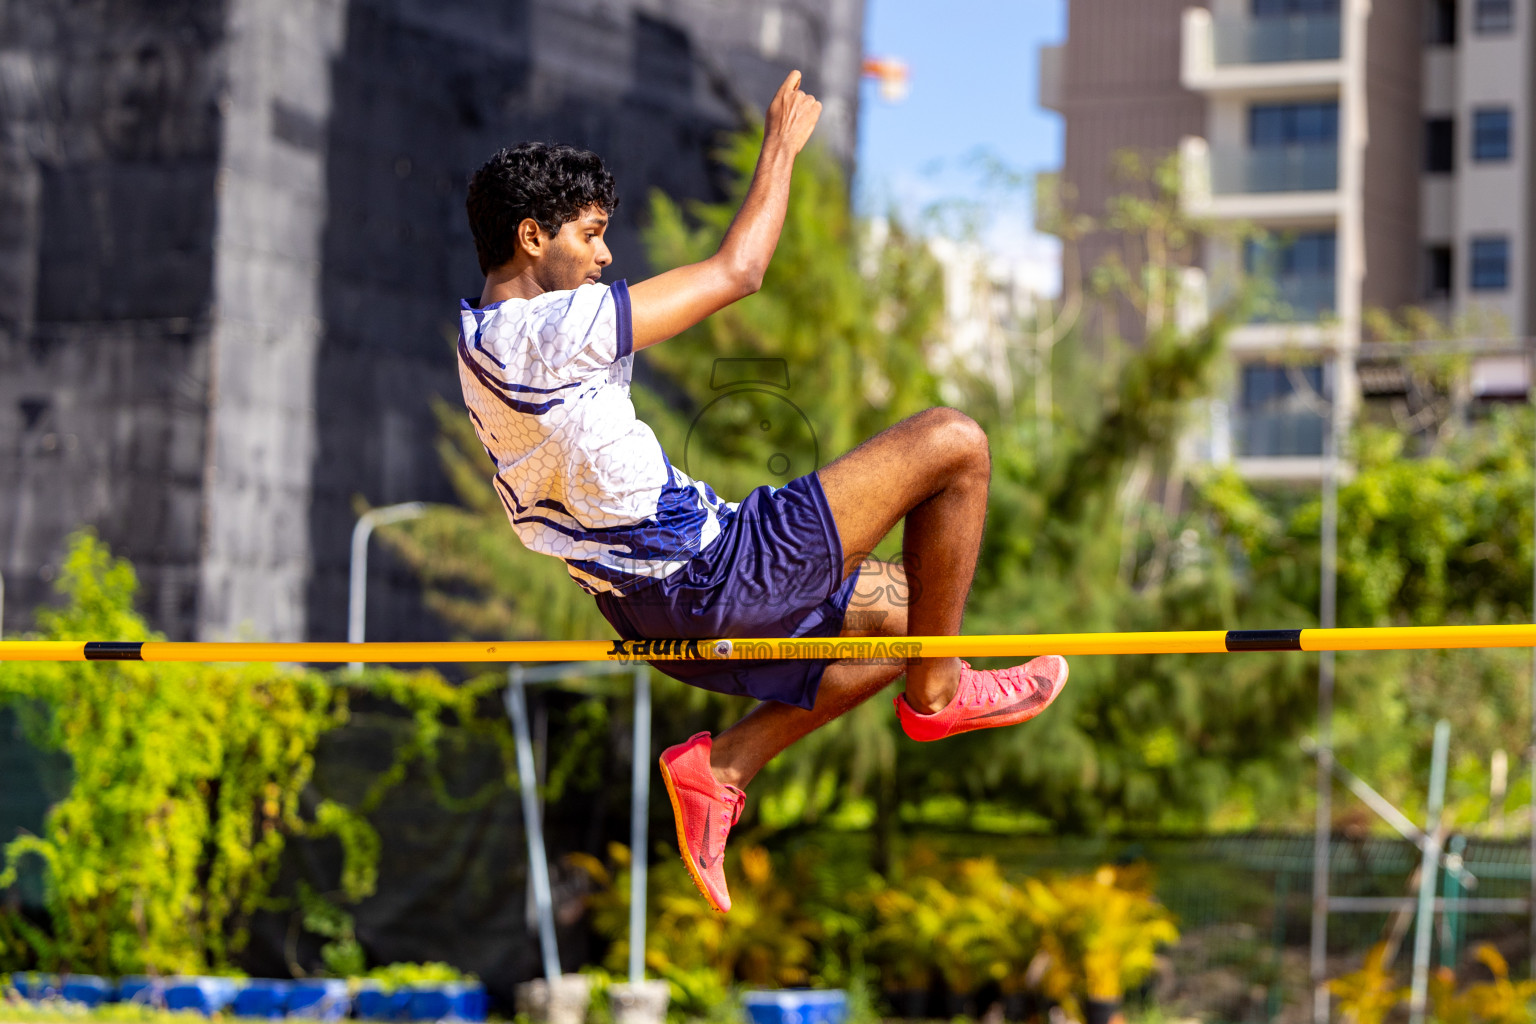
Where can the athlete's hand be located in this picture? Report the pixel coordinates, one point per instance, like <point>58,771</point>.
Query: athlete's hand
<point>672,302</point>
<point>792,116</point>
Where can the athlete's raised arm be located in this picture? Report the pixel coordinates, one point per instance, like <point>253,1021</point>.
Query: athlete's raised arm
<point>670,303</point>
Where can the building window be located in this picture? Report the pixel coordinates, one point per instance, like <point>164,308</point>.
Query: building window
<point>1489,264</point>
<point>1440,23</point>
<point>1439,275</point>
<point>1490,133</point>
<point>1281,411</point>
<point>1303,254</point>
<point>1300,272</point>
<point>1293,124</point>
<point>1439,145</point>
<point>1495,16</point>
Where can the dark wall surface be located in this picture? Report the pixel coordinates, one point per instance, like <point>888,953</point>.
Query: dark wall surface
<point>109,151</point>
<point>118,367</point>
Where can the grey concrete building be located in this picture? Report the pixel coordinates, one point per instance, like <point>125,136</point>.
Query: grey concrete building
<point>232,237</point>
<point>1383,147</point>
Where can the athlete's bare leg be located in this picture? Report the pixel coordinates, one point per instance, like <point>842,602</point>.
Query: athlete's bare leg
<point>932,470</point>
<point>879,608</point>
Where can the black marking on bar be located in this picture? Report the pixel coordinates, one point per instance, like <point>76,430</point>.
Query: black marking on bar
<point>1263,639</point>
<point>113,650</point>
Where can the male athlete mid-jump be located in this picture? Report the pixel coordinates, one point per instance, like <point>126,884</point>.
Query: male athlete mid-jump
<point>545,355</point>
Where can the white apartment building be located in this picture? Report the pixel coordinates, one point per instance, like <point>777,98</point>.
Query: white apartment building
<point>1380,146</point>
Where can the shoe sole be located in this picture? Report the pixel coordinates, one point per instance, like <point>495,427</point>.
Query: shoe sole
<point>682,840</point>
<point>977,724</point>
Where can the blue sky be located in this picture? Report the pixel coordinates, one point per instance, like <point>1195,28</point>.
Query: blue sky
<point>973,87</point>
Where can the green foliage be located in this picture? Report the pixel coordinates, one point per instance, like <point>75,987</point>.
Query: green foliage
<point>966,923</point>
<point>1088,531</point>
<point>407,975</point>
<point>343,954</point>
<point>1371,994</point>
<point>1496,1001</point>
<point>21,1011</point>
<point>1100,933</point>
<point>765,941</point>
<point>187,785</point>
<point>1442,538</point>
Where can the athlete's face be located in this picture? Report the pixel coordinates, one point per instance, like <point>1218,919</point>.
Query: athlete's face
<point>577,254</point>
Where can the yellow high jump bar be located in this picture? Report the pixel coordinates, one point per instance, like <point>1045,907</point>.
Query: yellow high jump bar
<point>872,649</point>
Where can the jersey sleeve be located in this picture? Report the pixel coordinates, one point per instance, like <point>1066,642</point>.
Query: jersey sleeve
<point>584,331</point>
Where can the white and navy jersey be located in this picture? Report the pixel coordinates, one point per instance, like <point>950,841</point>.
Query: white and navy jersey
<point>546,381</point>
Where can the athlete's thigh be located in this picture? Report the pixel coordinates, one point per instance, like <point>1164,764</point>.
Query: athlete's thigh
<point>878,606</point>
<point>872,487</point>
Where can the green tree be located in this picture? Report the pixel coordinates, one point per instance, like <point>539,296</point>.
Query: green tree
<point>188,781</point>
<point>1442,538</point>
<point>1091,533</point>
<point>186,787</point>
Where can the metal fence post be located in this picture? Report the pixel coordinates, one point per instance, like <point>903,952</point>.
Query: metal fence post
<point>538,865</point>
<point>1323,836</point>
<point>639,821</point>
<point>357,582</point>
<point>1424,926</point>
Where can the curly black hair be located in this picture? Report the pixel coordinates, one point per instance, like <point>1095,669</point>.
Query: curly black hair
<point>550,183</point>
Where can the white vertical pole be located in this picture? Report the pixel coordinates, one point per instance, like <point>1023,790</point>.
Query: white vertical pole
<point>357,583</point>
<point>1530,391</point>
<point>639,821</point>
<point>1424,926</point>
<point>1327,616</point>
<point>538,865</point>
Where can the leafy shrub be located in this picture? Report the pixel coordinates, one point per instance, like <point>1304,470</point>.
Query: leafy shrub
<point>186,788</point>
<point>1100,933</point>
<point>1083,936</point>
<point>766,940</point>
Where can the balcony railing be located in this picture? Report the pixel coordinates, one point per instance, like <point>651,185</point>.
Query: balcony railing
<point>1271,435</point>
<point>1273,40</point>
<point>1310,167</point>
<point>1296,298</point>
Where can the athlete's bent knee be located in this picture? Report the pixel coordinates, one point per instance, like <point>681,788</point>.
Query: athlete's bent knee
<point>959,436</point>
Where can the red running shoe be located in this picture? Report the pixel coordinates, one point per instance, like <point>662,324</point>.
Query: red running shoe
<point>987,699</point>
<point>704,811</point>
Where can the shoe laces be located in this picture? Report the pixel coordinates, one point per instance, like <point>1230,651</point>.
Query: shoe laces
<point>735,802</point>
<point>1005,684</point>
<point>732,802</point>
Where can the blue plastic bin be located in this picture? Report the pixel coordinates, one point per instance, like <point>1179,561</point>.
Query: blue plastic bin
<point>319,999</point>
<point>452,1001</point>
<point>204,995</point>
<point>141,989</point>
<point>261,997</point>
<point>372,1002</point>
<point>87,989</point>
<point>35,985</point>
<point>796,1006</point>
<point>471,1002</point>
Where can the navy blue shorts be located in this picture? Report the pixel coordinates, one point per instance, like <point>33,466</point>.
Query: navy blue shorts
<point>776,570</point>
